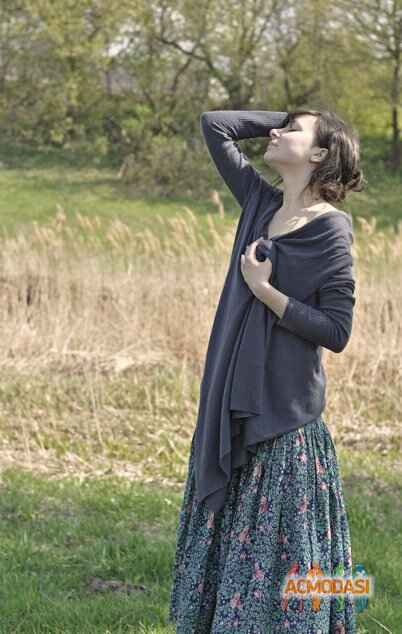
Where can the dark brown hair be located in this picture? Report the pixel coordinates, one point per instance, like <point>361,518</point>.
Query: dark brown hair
<point>339,172</point>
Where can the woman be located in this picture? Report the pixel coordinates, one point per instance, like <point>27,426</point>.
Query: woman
<point>263,498</point>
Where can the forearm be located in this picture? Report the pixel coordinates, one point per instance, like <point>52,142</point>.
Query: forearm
<point>222,129</point>
<point>241,124</point>
<point>328,327</point>
<point>273,298</point>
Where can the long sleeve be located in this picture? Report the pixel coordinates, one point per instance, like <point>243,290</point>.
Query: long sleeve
<point>330,325</point>
<point>222,128</point>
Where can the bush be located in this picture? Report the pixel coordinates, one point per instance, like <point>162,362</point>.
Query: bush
<point>169,166</point>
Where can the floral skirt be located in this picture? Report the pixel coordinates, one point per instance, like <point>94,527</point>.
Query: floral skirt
<point>284,515</point>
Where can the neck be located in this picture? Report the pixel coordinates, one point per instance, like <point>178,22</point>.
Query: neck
<point>295,203</point>
<point>294,198</point>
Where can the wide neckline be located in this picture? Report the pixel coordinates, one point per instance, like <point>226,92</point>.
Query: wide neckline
<point>292,231</point>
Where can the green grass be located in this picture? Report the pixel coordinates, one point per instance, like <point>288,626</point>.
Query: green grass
<point>33,182</point>
<point>56,536</point>
<point>34,195</point>
<point>373,492</point>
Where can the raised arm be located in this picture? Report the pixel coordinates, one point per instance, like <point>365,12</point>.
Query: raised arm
<point>221,130</point>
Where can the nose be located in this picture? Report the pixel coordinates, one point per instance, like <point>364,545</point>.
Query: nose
<point>274,133</point>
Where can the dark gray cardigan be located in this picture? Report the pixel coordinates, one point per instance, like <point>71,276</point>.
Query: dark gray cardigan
<point>263,375</point>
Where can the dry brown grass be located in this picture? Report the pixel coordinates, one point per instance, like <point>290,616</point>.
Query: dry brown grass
<point>105,333</point>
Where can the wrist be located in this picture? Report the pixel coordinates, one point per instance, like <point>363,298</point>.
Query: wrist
<point>263,291</point>
<point>274,299</point>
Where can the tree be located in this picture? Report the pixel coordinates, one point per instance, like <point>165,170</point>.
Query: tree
<point>378,23</point>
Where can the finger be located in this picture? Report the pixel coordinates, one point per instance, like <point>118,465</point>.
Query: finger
<point>253,248</point>
<point>256,242</point>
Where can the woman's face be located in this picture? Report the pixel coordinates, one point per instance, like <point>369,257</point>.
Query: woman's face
<point>292,144</point>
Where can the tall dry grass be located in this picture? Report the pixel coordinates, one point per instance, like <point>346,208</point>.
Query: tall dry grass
<point>105,333</point>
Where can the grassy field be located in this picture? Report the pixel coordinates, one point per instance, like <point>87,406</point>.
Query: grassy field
<point>107,302</point>
<point>94,554</point>
<point>34,183</point>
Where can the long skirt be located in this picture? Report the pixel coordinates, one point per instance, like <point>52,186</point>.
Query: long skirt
<point>284,515</point>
